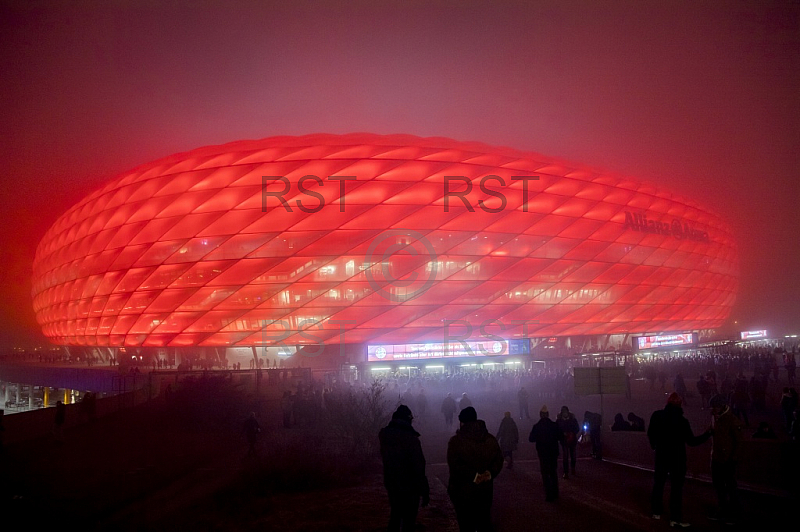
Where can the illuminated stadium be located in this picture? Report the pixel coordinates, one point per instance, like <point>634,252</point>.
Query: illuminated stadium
<point>370,240</point>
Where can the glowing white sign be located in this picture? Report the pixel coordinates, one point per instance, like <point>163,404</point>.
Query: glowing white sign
<point>668,340</point>
<point>387,353</point>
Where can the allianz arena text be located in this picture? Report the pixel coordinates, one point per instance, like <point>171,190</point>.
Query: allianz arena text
<point>376,239</point>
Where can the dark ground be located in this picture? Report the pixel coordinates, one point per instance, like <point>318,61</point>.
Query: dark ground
<point>184,465</point>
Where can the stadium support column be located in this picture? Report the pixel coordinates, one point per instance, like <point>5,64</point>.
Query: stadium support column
<point>255,365</point>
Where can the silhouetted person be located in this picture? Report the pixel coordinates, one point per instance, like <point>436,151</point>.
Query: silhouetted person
<point>593,424</point>
<point>669,434</point>
<point>58,424</point>
<point>474,459</point>
<point>464,402</point>
<point>791,367</point>
<point>287,406</point>
<point>789,403</point>
<point>679,385</point>
<point>568,424</point>
<point>448,409</point>
<point>508,437</point>
<point>251,431</point>
<point>522,398</point>
<point>88,406</point>
<point>726,435</point>
<point>620,424</point>
<point>547,436</point>
<point>740,400</point>
<point>422,403</point>
<point>403,470</point>
<point>703,390</point>
<point>637,423</point>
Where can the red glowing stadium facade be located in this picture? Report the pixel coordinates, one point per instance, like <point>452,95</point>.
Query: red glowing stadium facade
<point>369,239</point>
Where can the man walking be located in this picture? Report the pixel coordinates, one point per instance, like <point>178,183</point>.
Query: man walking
<point>58,424</point>
<point>669,434</point>
<point>522,398</point>
<point>448,409</point>
<point>508,437</point>
<point>403,470</point>
<point>546,434</point>
<point>251,430</point>
<point>725,440</point>
<point>568,424</point>
<point>475,459</point>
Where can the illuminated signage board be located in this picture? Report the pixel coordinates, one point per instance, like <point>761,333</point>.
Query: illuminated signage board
<point>667,340</point>
<point>403,352</point>
<point>752,335</point>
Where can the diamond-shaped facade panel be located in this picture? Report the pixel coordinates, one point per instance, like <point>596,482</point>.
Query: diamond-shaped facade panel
<point>370,238</point>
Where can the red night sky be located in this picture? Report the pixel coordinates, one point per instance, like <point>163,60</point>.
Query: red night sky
<point>699,98</point>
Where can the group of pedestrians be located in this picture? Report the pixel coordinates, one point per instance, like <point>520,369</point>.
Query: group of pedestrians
<point>474,457</point>
<point>669,433</point>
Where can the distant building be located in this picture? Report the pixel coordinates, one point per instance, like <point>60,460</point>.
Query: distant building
<point>355,240</point>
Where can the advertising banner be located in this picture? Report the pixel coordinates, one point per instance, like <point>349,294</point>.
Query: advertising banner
<point>668,340</point>
<point>405,352</point>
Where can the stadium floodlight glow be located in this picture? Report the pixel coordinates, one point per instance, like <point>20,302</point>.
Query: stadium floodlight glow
<point>380,369</point>
<point>375,239</point>
<point>434,367</point>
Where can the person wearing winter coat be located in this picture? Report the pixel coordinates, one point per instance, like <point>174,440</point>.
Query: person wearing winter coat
<point>464,402</point>
<point>568,424</point>
<point>474,459</point>
<point>403,470</point>
<point>669,433</point>
<point>620,424</point>
<point>251,430</point>
<point>508,437</point>
<point>725,441</point>
<point>547,436</point>
<point>637,423</point>
<point>448,409</point>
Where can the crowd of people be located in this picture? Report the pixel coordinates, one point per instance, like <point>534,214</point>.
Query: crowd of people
<point>728,386</point>
<point>475,457</point>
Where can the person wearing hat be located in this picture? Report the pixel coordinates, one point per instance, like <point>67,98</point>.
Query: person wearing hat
<point>568,424</point>
<point>403,470</point>
<point>547,436</point>
<point>464,402</point>
<point>474,459</point>
<point>725,440</point>
<point>669,433</point>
